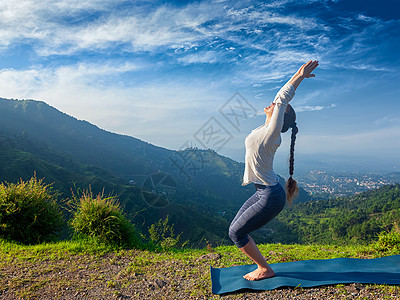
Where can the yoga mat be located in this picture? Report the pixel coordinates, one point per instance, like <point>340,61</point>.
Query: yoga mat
<point>310,273</point>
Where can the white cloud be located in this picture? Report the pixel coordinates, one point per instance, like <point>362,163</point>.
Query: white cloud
<point>387,120</point>
<point>164,113</point>
<point>313,108</point>
<point>365,18</point>
<point>361,66</point>
<point>147,28</point>
<point>24,83</point>
<point>43,23</point>
<point>204,57</point>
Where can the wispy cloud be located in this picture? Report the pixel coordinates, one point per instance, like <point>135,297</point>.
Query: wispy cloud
<point>166,63</point>
<point>67,27</point>
<point>58,28</point>
<point>21,83</point>
<point>163,113</point>
<point>313,108</point>
<point>387,120</point>
<point>209,57</point>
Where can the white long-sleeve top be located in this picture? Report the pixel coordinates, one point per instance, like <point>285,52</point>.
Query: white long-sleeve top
<point>262,143</point>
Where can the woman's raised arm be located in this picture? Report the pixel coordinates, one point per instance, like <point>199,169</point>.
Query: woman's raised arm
<point>305,71</point>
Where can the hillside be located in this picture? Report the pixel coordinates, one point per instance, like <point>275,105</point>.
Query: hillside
<point>356,219</point>
<point>151,182</point>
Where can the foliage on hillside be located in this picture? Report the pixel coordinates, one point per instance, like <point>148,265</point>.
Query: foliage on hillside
<point>355,219</point>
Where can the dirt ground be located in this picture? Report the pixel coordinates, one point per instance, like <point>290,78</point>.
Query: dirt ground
<point>132,275</point>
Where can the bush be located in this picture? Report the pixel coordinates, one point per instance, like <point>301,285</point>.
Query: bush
<point>102,220</point>
<point>388,241</point>
<point>162,235</point>
<point>29,212</point>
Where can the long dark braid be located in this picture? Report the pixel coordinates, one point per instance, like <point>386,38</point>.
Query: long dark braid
<point>292,190</point>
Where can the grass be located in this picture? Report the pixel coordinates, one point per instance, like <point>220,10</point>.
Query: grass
<point>78,268</point>
<point>102,218</point>
<point>29,211</point>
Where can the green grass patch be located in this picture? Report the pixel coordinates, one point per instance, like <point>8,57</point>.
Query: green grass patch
<point>52,250</point>
<point>113,270</point>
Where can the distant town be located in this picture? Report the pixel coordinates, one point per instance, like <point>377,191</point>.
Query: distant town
<point>323,184</point>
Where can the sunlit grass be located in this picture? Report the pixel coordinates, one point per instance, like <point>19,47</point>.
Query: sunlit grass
<point>230,255</point>
<point>53,250</point>
<point>133,264</point>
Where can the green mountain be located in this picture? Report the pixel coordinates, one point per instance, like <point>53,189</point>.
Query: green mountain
<point>200,189</point>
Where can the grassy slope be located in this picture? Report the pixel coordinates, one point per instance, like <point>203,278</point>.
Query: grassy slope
<point>71,269</point>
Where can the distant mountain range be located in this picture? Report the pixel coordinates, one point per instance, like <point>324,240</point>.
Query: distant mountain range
<point>199,189</point>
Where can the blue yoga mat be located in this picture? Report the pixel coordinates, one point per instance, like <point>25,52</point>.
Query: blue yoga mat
<point>309,273</point>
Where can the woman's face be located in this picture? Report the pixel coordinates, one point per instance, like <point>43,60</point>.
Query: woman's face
<point>269,110</point>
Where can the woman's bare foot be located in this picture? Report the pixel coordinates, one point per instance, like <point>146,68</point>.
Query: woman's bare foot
<point>260,273</point>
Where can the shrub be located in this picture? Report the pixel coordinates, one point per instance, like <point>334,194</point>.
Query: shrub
<point>388,241</point>
<point>29,212</point>
<point>102,220</point>
<point>162,235</point>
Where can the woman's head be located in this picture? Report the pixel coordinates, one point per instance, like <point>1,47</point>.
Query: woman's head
<point>289,121</point>
<point>269,110</point>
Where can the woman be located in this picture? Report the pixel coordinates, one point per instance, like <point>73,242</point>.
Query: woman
<point>269,198</point>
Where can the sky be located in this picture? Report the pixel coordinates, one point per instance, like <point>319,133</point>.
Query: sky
<point>199,73</point>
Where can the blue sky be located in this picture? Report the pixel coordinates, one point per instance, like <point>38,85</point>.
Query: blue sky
<point>168,71</point>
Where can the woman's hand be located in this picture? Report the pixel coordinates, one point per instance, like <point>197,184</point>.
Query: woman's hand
<point>306,69</point>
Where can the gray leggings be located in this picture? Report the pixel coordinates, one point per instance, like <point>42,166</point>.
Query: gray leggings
<point>257,211</point>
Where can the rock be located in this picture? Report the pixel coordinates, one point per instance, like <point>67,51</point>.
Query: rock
<point>160,282</point>
<point>359,286</point>
<point>352,288</point>
<point>214,256</point>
